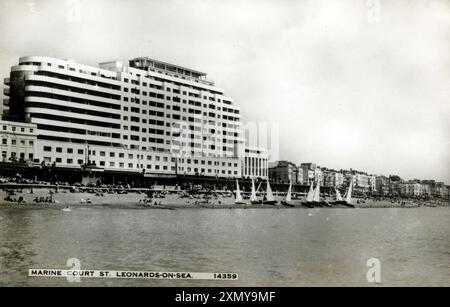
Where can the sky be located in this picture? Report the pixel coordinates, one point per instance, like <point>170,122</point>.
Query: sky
<point>360,84</point>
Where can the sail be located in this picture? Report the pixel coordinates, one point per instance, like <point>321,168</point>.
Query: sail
<point>316,196</point>
<point>238,193</point>
<point>269,194</point>
<point>338,195</point>
<point>288,195</point>
<point>253,195</point>
<point>310,195</point>
<point>348,196</point>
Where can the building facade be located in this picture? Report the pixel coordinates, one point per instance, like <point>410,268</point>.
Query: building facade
<point>362,182</point>
<point>283,172</point>
<point>255,163</point>
<point>307,173</point>
<point>18,141</point>
<point>332,178</point>
<point>149,116</point>
<point>382,185</point>
<point>411,189</point>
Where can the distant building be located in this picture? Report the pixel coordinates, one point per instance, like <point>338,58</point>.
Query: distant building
<point>382,185</point>
<point>428,187</point>
<point>395,187</point>
<point>283,171</point>
<point>307,173</point>
<point>332,178</point>
<point>411,189</point>
<point>362,181</point>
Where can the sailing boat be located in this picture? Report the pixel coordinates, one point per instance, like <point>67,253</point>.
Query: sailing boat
<point>270,199</point>
<point>316,198</point>
<point>287,200</point>
<point>253,198</point>
<point>309,197</point>
<point>348,196</point>
<point>339,200</point>
<point>238,200</point>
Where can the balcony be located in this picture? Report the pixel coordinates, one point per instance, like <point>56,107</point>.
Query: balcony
<point>6,81</point>
<point>6,101</point>
<point>6,91</point>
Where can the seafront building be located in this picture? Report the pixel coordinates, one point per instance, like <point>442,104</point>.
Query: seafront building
<point>332,178</point>
<point>307,173</point>
<point>147,117</point>
<point>382,185</point>
<point>17,141</point>
<point>411,188</point>
<point>283,172</point>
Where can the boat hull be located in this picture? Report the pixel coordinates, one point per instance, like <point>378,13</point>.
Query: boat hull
<point>325,204</point>
<point>287,204</point>
<point>256,202</point>
<point>342,203</point>
<point>307,204</point>
<point>269,202</point>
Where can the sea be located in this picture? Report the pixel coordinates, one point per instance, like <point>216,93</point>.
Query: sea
<point>265,247</point>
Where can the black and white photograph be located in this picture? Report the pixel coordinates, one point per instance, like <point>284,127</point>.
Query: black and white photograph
<point>208,143</point>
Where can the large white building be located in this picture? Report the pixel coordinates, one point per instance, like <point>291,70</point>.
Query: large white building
<point>149,117</point>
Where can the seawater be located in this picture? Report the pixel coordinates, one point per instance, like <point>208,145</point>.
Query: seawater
<point>266,247</point>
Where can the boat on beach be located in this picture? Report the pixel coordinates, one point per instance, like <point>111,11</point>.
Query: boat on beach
<point>309,198</point>
<point>316,198</point>
<point>288,198</point>
<point>269,198</point>
<point>348,196</point>
<point>253,199</point>
<point>339,200</point>
<point>239,200</point>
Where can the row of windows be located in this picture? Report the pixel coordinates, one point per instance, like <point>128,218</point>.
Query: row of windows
<point>14,128</point>
<point>176,99</point>
<point>176,91</point>
<point>78,80</point>
<point>14,155</point>
<point>139,156</point>
<point>83,111</point>
<point>14,142</point>
<point>148,166</point>
<point>102,153</point>
<point>126,80</point>
<point>64,67</point>
<point>73,89</point>
<point>90,102</point>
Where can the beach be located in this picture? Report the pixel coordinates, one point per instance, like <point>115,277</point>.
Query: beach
<point>170,199</point>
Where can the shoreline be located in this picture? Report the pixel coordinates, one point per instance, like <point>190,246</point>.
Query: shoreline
<point>172,200</point>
